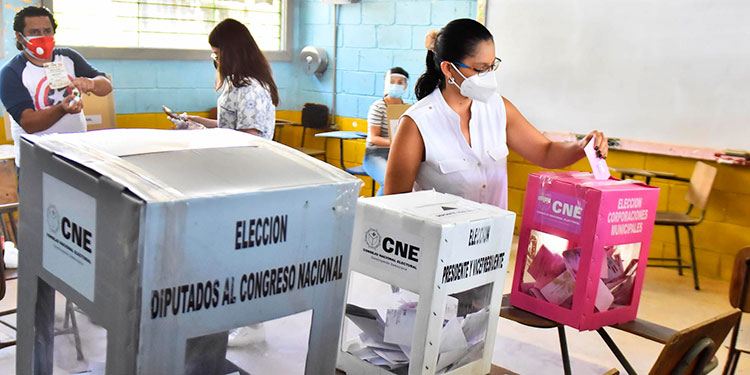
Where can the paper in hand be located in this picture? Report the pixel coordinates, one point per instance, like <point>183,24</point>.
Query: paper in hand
<point>598,165</point>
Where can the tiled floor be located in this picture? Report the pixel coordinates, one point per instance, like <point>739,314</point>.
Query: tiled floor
<point>667,299</point>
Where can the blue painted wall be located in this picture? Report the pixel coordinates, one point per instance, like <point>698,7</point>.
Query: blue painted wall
<point>374,35</point>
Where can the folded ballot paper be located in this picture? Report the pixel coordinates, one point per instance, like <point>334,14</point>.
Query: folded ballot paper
<point>386,336</point>
<point>554,278</point>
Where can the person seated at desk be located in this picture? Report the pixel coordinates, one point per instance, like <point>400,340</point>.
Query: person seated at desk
<point>37,85</point>
<point>249,97</point>
<point>455,139</point>
<point>378,140</point>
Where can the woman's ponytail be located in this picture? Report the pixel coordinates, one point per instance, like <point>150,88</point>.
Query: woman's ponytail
<point>431,79</point>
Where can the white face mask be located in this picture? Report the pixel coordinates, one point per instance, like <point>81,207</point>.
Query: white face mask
<point>476,87</point>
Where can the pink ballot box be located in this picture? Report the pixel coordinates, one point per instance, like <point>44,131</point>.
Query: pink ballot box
<point>583,248</point>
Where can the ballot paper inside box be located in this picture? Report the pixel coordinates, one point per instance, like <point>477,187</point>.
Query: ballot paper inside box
<point>164,241</point>
<point>426,280</point>
<point>583,248</point>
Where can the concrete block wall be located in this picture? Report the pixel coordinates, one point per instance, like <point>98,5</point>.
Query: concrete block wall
<point>374,35</point>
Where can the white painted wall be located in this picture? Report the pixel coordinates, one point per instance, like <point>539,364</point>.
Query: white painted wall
<point>673,71</point>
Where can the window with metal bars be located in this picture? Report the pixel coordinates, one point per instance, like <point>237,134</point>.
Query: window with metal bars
<point>166,29</point>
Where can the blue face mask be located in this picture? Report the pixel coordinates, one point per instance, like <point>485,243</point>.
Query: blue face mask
<point>396,91</point>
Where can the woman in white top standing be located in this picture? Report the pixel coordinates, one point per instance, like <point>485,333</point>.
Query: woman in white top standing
<point>378,139</point>
<point>249,97</point>
<point>455,139</point>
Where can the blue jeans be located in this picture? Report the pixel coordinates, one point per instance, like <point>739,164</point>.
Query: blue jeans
<point>375,161</point>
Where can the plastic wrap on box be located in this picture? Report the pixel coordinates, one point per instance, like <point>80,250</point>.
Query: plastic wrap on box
<point>580,248</point>
<point>427,276</point>
<point>170,240</point>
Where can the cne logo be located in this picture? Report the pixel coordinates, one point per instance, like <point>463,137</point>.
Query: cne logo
<point>401,249</point>
<point>53,218</point>
<point>372,238</point>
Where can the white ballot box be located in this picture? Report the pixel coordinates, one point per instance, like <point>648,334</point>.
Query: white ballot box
<point>166,240</point>
<point>426,282</point>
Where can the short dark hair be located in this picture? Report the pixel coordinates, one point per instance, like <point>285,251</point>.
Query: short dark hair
<point>399,70</point>
<point>240,58</point>
<point>19,22</point>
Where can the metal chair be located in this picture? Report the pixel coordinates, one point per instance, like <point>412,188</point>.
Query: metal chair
<point>639,327</point>
<point>8,214</point>
<point>690,351</point>
<point>700,188</point>
<point>313,116</point>
<point>738,298</point>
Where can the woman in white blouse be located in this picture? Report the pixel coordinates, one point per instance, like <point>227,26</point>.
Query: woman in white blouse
<point>249,96</point>
<point>455,139</point>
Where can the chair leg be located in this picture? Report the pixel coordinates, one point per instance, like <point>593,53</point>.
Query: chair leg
<point>692,259</point>
<point>733,353</point>
<point>325,151</point>
<point>4,229</point>
<point>69,312</point>
<point>734,363</point>
<point>616,351</point>
<point>730,359</point>
<point>679,250</point>
<point>564,349</point>
<point>13,229</point>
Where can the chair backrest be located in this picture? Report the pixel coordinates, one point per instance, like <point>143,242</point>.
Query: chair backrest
<point>8,213</point>
<point>315,116</point>
<point>700,184</point>
<point>691,349</point>
<point>740,280</point>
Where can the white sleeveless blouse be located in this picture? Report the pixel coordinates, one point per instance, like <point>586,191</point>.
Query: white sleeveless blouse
<point>478,173</point>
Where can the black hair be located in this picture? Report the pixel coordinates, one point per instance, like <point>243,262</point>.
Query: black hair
<point>19,22</point>
<point>399,70</point>
<point>457,40</point>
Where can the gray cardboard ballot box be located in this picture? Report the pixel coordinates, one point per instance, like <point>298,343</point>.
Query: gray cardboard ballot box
<point>168,239</point>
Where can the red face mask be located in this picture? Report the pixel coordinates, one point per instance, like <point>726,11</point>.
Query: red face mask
<point>40,46</point>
